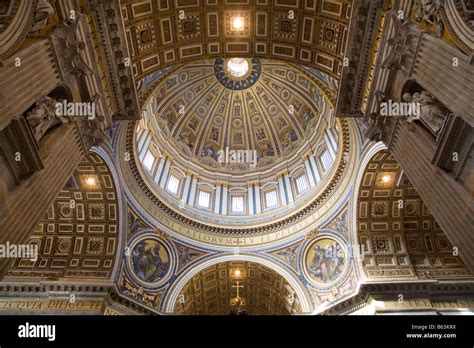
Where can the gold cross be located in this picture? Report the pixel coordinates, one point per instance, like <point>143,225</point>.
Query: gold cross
<point>238,286</point>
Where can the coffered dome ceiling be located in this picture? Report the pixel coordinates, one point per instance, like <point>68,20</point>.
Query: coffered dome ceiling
<point>203,109</point>
<point>225,138</point>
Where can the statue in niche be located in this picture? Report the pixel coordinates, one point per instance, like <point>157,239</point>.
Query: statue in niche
<point>432,112</point>
<point>43,117</point>
<point>376,128</point>
<point>43,12</point>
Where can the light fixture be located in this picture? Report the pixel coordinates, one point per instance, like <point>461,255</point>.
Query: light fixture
<point>237,23</point>
<point>237,274</point>
<point>386,178</point>
<point>237,67</point>
<point>90,181</point>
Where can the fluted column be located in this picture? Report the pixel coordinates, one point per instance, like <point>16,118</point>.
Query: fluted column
<point>287,185</point>
<point>142,138</point>
<point>281,189</point>
<point>61,153</point>
<point>144,146</point>
<point>187,185</point>
<point>314,168</point>
<point>448,74</point>
<point>447,200</point>
<point>217,198</point>
<point>251,199</point>
<point>159,170</point>
<point>330,146</point>
<point>25,77</point>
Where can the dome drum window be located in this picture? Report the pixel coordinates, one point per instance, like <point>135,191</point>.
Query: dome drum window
<point>173,184</point>
<point>301,183</point>
<point>237,203</point>
<point>271,199</point>
<point>204,199</point>
<point>149,161</point>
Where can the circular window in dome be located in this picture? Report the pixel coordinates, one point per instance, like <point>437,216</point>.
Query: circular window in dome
<point>237,73</point>
<point>237,67</point>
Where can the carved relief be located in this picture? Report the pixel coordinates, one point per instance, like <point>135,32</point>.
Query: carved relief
<point>403,44</point>
<point>433,114</point>
<point>69,48</point>
<point>43,117</point>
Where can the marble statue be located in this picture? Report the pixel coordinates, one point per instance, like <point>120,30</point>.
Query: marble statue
<point>432,113</point>
<point>403,44</point>
<point>43,117</point>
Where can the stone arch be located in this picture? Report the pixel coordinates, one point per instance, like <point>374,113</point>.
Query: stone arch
<point>457,15</point>
<point>62,92</point>
<point>16,18</point>
<point>410,86</point>
<point>301,292</point>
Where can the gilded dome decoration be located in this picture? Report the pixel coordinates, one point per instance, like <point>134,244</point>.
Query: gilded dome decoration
<point>206,112</point>
<point>218,152</point>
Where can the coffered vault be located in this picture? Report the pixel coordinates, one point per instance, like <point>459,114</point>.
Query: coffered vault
<point>134,213</point>
<point>165,33</point>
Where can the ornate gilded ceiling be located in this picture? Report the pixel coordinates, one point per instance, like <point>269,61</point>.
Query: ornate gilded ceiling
<point>169,32</point>
<point>398,235</point>
<point>213,291</point>
<point>79,235</point>
<point>201,110</point>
